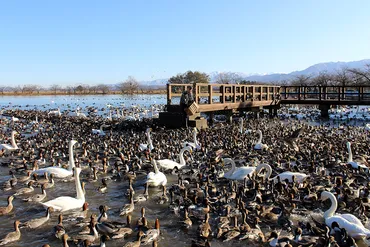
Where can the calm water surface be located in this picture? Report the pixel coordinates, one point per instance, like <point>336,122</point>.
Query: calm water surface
<point>45,102</point>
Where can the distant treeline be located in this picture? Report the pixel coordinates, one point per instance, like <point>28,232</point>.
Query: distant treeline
<point>130,86</point>
<point>343,77</point>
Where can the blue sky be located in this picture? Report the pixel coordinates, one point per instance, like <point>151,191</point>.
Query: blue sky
<point>71,42</point>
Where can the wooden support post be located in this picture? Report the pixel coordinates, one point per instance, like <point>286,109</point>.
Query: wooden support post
<point>304,92</point>
<point>342,88</point>
<point>234,91</point>
<point>299,93</point>
<point>196,89</point>
<point>324,110</point>
<point>261,91</point>
<point>319,93</point>
<point>339,93</point>
<point>359,93</point>
<point>210,94</point>
<point>169,94</point>
<point>285,93</point>
<point>244,93</point>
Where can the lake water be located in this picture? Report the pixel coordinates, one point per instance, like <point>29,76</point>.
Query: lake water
<point>46,102</point>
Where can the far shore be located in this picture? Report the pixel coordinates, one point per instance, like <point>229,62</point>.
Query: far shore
<point>41,93</point>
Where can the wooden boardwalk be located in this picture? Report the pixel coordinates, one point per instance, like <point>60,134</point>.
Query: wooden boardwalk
<point>216,97</point>
<point>241,97</point>
<point>325,95</point>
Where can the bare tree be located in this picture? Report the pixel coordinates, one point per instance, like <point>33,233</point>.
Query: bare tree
<point>30,88</point>
<point>16,89</point>
<point>361,76</point>
<point>342,77</point>
<point>104,89</point>
<point>129,86</point>
<point>3,89</point>
<point>228,77</point>
<point>323,79</point>
<point>93,89</point>
<point>55,88</point>
<point>79,89</point>
<point>86,88</point>
<point>69,90</point>
<point>301,80</point>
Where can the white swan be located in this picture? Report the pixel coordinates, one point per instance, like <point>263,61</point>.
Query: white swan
<point>242,172</point>
<point>241,125</point>
<point>13,146</point>
<point>195,145</point>
<point>351,223</point>
<point>350,161</point>
<point>55,113</point>
<point>170,164</point>
<point>100,131</point>
<point>78,114</point>
<point>15,119</point>
<point>143,146</point>
<point>36,121</point>
<point>259,145</point>
<point>60,172</point>
<point>64,203</point>
<point>156,178</point>
<point>298,177</point>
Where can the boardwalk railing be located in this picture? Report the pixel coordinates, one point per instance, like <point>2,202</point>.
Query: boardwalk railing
<point>211,97</point>
<point>325,93</point>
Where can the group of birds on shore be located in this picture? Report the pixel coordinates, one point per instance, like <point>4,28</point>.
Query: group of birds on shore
<point>286,183</point>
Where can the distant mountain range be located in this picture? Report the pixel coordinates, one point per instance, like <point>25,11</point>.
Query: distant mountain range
<point>330,67</point>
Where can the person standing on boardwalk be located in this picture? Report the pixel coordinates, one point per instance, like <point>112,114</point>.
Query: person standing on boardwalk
<point>185,101</point>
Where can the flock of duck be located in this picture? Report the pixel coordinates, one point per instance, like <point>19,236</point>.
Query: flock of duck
<point>75,181</point>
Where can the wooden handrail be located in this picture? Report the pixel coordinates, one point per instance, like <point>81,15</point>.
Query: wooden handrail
<point>228,93</point>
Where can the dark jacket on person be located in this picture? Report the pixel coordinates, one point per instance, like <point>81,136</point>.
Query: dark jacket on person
<point>186,99</point>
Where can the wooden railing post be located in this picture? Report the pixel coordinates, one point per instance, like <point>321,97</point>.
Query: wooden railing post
<point>299,93</point>
<point>286,95</point>
<point>234,92</point>
<point>359,93</point>
<point>261,92</point>
<point>196,93</point>
<point>169,88</point>
<point>210,94</point>
<point>244,93</point>
<point>339,89</point>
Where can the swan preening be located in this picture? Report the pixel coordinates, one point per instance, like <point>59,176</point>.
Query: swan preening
<point>65,203</point>
<point>13,146</point>
<point>350,161</point>
<point>149,145</point>
<point>241,173</point>
<point>259,145</point>
<point>170,164</point>
<point>60,172</point>
<point>351,223</point>
<point>194,145</point>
